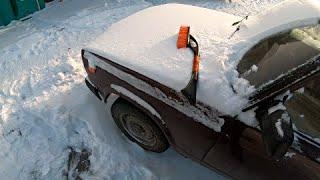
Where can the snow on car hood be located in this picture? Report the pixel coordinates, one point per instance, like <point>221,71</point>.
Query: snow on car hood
<point>146,43</point>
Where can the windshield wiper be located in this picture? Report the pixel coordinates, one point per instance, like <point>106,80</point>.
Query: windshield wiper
<point>239,24</point>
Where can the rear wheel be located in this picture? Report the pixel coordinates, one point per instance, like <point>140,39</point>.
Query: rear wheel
<point>138,127</point>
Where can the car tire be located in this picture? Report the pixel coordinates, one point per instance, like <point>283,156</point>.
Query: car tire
<point>138,127</point>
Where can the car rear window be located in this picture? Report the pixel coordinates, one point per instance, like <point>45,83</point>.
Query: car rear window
<point>278,54</point>
<point>304,106</point>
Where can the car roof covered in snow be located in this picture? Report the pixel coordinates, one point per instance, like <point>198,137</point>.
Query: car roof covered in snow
<point>146,43</point>
<point>283,16</point>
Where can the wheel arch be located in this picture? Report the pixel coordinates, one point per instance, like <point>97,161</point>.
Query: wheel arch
<point>117,96</point>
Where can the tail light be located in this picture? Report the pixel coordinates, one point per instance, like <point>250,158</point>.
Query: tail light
<point>88,60</point>
<point>91,70</point>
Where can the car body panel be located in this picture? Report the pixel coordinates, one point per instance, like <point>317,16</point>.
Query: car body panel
<point>255,164</point>
<point>237,151</point>
<point>180,136</point>
<point>201,112</point>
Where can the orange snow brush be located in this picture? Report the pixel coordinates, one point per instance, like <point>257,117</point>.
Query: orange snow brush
<point>186,40</point>
<point>183,37</point>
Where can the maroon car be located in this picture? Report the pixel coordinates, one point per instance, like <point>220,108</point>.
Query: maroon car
<point>250,108</point>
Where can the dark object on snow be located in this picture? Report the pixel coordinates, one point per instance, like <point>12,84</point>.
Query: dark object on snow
<point>78,162</point>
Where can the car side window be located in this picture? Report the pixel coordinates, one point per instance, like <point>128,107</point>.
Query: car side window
<point>278,54</point>
<point>304,108</point>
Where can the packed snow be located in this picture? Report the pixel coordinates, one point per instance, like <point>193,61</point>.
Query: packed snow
<point>138,100</point>
<point>46,110</point>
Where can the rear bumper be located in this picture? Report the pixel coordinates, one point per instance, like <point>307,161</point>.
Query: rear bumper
<point>93,89</point>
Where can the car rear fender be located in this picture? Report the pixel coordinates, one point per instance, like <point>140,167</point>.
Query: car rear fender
<point>121,93</point>
<point>134,98</point>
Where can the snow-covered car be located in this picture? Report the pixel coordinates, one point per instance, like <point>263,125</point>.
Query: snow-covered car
<point>252,109</point>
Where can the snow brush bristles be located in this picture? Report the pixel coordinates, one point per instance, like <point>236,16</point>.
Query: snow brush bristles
<point>183,37</point>
<point>186,40</point>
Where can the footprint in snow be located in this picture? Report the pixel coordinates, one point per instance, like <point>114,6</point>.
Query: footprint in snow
<point>78,163</point>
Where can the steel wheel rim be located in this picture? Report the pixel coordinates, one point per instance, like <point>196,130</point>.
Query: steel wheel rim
<point>137,129</point>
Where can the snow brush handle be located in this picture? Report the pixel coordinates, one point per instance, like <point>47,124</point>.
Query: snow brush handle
<point>195,68</point>
<point>186,40</point>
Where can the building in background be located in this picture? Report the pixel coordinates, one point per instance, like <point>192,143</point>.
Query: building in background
<point>17,9</point>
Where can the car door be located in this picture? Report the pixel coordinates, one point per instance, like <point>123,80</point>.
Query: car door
<point>274,66</point>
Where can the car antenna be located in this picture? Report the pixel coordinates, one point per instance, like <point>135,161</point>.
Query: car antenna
<point>238,27</point>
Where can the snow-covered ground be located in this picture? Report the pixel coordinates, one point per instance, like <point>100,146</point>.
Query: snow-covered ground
<point>45,107</point>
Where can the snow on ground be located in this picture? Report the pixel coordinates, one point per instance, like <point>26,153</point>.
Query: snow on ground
<point>45,107</point>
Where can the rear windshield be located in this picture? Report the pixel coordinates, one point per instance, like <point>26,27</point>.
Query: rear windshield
<point>277,55</point>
